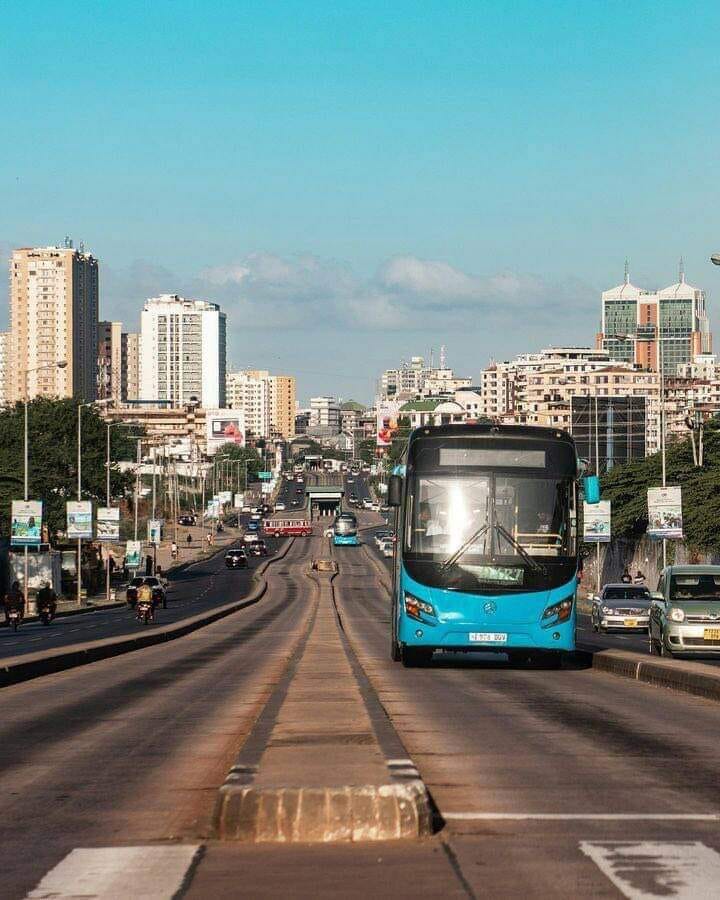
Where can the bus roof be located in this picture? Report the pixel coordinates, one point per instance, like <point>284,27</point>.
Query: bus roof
<point>488,429</point>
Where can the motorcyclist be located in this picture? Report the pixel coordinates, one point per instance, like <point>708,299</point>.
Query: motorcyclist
<point>14,600</point>
<point>144,594</point>
<point>46,597</point>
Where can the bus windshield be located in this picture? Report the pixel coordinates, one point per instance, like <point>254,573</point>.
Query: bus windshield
<point>495,528</point>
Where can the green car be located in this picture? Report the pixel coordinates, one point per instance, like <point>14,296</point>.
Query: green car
<point>685,611</point>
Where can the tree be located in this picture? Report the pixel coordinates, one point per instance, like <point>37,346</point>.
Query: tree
<point>242,456</point>
<point>626,486</point>
<point>52,458</point>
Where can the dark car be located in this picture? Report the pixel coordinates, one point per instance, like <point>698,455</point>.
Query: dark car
<point>187,520</point>
<point>236,558</point>
<point>253,526</point>
<point>622,606</point>
<point>257,548</point>
<point>159,597</point>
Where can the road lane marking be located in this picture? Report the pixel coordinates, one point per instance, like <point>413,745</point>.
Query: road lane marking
<point>116,873</point>
<point>589,817</point>
<point>687,870</point>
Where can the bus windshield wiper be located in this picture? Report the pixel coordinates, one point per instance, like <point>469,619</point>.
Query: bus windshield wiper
<point>451,560</point>
<point>534,564</point>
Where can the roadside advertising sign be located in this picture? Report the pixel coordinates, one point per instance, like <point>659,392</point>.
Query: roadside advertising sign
<point>239,501</point>
<point>224,426</point>
<point>108,523</point>
<point>665,513</point>
<point>133,553</point>
<point>154,531</point>
<point>26,523</point>
<point>596,522</point>
<point>213,509</point>
<point>225,496</point>
<point>266,488</point>
<point>79,519</point>
<point>387,421</point>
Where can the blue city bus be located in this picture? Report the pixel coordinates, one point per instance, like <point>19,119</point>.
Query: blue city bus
<point>487,549</point>
<point>345,531</point>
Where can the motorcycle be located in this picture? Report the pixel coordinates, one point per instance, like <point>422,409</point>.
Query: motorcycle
<point>46,615</point>
<point>14,619</point>
<point>145,612</point>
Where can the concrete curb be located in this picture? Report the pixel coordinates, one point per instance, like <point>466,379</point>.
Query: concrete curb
<point>371,812</point>
<point>249,812</point>
<point>688,677</point>
<point>24,668</point>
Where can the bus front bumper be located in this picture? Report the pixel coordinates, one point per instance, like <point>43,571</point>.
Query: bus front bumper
<point>500,638</point>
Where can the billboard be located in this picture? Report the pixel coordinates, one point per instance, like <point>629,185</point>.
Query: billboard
<point>108,523</point>
<point>224,426</point>
<point>133,553</point>
<point>26,523</point>
<point>225,497</point>
<point>596,522</point>
<point>665,513</point>
<point>154,531</point>
<point>78,514</point>
<point>387,421</point>
<point>239,501</point>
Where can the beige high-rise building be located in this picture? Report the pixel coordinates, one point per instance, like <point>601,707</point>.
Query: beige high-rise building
<point>282,406</point>
<point>53,317</point>
<point>4,351</point>
<point>130,366</point>
<point>110,361</point>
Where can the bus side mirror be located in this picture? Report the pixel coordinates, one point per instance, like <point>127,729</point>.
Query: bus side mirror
<point>394,494</point>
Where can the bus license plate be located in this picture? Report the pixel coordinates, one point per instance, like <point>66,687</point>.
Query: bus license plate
<point>488,637</point>
<point>711,634</point>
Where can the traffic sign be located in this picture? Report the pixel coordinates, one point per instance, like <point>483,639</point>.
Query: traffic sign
<point>264,476</point>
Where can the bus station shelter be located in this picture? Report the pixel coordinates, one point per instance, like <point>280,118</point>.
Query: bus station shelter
<point>324,499</point>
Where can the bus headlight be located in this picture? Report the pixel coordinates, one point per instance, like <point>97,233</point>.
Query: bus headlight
<point>558,612</point>
<point>677,614</point>
<point>414,606</point>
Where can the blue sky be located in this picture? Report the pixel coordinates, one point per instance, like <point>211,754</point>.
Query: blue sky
<point>358,182</point>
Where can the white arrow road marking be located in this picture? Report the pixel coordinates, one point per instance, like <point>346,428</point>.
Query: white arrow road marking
<point>116,873</point>
<point>687,870</point>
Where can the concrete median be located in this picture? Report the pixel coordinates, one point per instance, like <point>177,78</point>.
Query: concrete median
<point>322,764</point>
<point>33,665</point>
<point>680,675</point>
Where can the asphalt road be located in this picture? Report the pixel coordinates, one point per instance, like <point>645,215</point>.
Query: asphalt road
<point>131,751</point>
<point>537,772</point>
<point>200,587</point>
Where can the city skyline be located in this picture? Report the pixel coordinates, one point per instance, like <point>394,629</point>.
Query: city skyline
<point>390,174</point>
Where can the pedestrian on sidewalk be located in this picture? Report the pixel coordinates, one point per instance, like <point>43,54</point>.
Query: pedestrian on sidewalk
<point>188,540</point>
<point>174,550</point>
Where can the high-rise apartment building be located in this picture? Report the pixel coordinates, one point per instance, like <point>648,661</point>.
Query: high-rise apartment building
<point>249,390</point>
<point>53,317</point>
<point>129,366</point>
<point>109,371</point>
<point>4,350</point>
<point>282,406</point>
<point>182,352</point>
<point>268,401</point>
<point>668,327</point>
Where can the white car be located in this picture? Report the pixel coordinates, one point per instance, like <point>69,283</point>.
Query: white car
<point>250,538</point>
<point>367,503</point>
<point>280,506</point>
<point>387,548</point>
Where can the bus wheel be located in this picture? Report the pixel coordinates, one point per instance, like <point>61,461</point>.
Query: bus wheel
<point>395,654</point>
<point>415,657</point>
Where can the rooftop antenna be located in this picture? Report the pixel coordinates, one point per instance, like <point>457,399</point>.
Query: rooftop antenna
<point>442,356</point>
<point>627,271</point>
<point>682,270</point>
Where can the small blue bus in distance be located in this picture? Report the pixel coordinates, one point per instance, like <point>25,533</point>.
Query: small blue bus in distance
<point>345,531</point>
<point>487,550</point>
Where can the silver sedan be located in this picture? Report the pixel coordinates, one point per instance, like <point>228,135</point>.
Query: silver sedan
<point>624,607</point>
